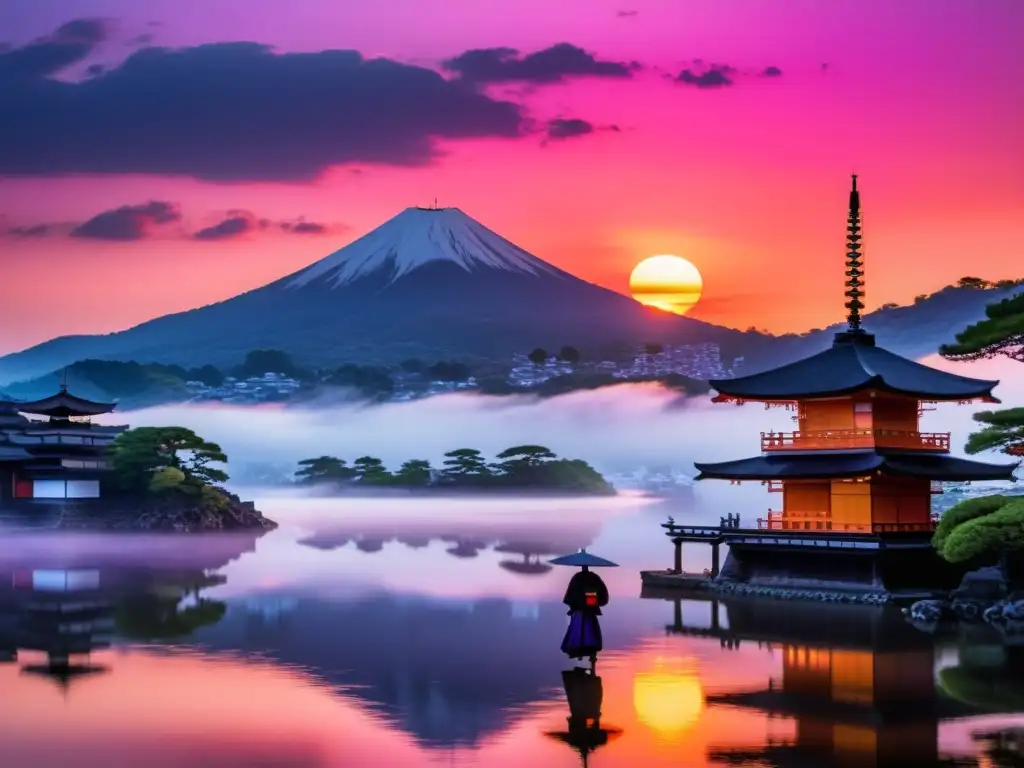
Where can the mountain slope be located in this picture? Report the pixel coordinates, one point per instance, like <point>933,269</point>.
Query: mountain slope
<point>430,283</point>
<point>914,330</point>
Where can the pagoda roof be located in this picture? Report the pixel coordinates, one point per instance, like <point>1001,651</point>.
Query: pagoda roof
<point>65,404</point>
<point>842,464</point>
<point>853,363</point>
<point>13,453</point>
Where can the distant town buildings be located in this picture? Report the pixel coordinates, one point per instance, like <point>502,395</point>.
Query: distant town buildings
<point>414,386</point>
<point>269,387</point>
<point>697,361</point>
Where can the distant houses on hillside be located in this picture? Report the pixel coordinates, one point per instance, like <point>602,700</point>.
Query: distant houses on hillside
<point>269,387</point>
<point>696,361</point>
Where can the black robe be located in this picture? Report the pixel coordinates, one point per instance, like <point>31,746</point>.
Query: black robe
<point>576,593</point>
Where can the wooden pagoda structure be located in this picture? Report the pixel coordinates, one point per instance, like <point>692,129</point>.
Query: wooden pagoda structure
<point>856,476</point>
<point>59,457</point>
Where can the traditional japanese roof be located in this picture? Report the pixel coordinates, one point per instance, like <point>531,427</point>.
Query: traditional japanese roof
<point>842,464</point>
<point>10,417</point>
<point>853,363</point>
<point>64,405</point>
<point>13,453</point>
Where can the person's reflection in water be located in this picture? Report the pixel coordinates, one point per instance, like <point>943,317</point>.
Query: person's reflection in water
<point>585,596</point>
<point>584,693</point>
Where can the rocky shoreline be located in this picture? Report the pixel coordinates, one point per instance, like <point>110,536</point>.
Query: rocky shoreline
<point>216,510</point>
<point>982,597</point>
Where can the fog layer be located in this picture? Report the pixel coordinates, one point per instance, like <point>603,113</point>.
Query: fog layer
<point>615,429</point>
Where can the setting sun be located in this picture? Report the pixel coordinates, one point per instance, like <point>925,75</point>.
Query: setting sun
<point>667,282</point>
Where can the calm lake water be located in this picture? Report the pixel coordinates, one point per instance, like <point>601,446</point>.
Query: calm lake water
<point>420,633</point>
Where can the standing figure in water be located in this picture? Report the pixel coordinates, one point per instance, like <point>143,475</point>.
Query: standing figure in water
<point>585,596</point>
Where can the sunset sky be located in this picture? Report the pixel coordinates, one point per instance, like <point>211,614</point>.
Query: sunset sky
<point>162,155</point>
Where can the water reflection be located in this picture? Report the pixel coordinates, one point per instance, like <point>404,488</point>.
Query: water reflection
<point>857,681</point>
<point>221,655</point>
<point>61,614</point>
<point>584,693</point>
<point>526,536</point>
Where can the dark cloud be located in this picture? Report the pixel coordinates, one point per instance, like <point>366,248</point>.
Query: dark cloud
<point>568,128</point>
<point>95,69</point>
<point>137,222</point>
<point>144,39</point>
<point>92,31</point>
<point>772,72</point>
<point>237,223</point>
<point>238,112</point>
<point>627,14</point>
<point>551,65</point>
<point>71,43</point>
<point>714,76</point>
<point>129,222</point>
<point>39,230</point>
<point>303,227</point>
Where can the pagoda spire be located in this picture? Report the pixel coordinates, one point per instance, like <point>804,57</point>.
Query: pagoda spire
<point>854,264</point>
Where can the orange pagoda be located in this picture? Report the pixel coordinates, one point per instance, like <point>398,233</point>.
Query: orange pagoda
<point>858,472</point>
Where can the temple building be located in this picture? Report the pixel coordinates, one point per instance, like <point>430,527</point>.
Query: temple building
<point>61,457</point>
<point>856,477</point>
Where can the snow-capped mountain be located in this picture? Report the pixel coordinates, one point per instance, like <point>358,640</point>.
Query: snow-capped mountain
<point>418,236</point>
<point>428,283</point>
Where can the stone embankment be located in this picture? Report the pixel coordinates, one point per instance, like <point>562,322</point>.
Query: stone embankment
<point>727,588</point>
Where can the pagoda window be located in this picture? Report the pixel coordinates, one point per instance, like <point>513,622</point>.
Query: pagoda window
<point>83,489</point>
<point>850,504</point>
<point>826,416</point>
<point>863,416</point>
<point>49,489</point>
<point>22,488</point>
<point>897,415</point>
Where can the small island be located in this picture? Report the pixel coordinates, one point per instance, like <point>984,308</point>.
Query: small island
<point>165,478</point>
<point>520,469</point>
<point>68,472</point>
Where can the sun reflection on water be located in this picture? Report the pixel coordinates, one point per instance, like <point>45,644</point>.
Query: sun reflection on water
<point>669,698</point>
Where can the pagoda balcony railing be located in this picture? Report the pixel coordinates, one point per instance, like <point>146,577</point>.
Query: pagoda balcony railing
<point>822,521</point>
<point>854,438</point>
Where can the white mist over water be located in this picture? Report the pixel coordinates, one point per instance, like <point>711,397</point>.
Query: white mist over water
<point>615,429</point>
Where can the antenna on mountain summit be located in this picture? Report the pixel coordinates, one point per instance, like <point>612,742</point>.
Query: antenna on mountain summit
<point>435,203</point>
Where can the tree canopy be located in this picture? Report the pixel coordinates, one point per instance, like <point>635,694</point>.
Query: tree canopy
<point>1003,431</point>
<point>570,355</point>
<point>522,466</point>
<point>983,531</point>
<point>165,458</point>
<point>1000,333</point>
<point>323,469</point>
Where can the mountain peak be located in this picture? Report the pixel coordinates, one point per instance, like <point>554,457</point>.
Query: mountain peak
<point>418,236</point>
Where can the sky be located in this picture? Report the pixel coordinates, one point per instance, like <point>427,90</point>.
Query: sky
<point>160,156</point>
